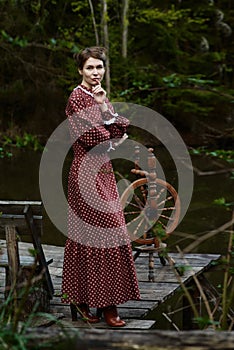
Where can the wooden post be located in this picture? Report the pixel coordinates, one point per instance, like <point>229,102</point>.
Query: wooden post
<point>37,245</point>
<point>13,259</point>
<point>28,279</point>
<point>152,176</point>
<point>137,157</point>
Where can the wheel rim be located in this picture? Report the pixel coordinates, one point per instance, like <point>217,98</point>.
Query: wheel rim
<point>146,225</point>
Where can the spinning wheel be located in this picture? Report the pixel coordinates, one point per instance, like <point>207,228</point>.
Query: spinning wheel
<point>152,211</point>
<point>146,224</point>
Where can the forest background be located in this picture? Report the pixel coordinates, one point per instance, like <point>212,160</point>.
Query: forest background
<point>175,57</point>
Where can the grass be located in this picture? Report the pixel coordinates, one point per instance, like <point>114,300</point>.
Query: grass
<point>19,328</point>
<point>218,315</point>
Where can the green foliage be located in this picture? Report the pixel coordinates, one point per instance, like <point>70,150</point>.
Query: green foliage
<point>52,44</point>
<point>18,336</point>
<point>172,81</point>
<point>204,322</point>
<point>171,18</point>
<point>14,41</point>
<point>180,59</point>
<point>4,153</point>
<point>159,231</point>
<point>181,268</point>
<point>16,326</point>
<point>227,155</point>
<point>222,201</point>
<point>28,141</point>
<point>78,6</point>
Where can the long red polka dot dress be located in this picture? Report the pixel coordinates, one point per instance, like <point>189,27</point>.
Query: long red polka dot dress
<point>98,266</point>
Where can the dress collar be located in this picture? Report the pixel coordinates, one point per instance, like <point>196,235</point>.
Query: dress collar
<point>85,89</point>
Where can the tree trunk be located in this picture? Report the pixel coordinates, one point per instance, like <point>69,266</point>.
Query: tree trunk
<point>94,22</point>
<point>95,339</point>
<point>106,43</point>
<point>125,29</point>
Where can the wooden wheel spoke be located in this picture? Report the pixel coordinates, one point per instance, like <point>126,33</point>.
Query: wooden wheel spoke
<point>165,209</point>
<point>168,208</point>
<point>159,193</point>
<point>132,212</point>
<point>133,205</point>
<point>130,204</point>
<point>167,217</point>
<point>139,201</point>
<point>135,219</point>
<point>161,223</point>
<point>165,200</point>
<point>163,189</point>
<point>134,233</point>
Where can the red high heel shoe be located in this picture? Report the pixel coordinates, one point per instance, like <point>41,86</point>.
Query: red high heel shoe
<point>111,316</point>
<point>83,310</point>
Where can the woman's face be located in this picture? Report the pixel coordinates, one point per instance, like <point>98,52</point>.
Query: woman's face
<point>93,72</point>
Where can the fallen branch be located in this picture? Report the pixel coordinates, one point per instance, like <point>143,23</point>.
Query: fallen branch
<point>210,234</point>
<point>213,172</point>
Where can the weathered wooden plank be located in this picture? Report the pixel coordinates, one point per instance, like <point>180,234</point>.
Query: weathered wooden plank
<point>56,271</point>
<point>12,213</point>
<point>14,207</point>
<point>24,260</point>
<point>187,260</point>
<point>144,304</point>
<point>168,274</point>
<point>20,224</point>
<point>131,324</point>
<point>4,202</point>
<point>124,312</point>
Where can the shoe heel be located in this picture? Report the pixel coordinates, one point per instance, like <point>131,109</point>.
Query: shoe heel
<point>73,312</point>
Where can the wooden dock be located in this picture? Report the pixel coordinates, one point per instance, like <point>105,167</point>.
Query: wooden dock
<point>153,294</point>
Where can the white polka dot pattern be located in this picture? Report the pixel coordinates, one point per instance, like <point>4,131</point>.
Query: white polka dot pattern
<point>98,265</point>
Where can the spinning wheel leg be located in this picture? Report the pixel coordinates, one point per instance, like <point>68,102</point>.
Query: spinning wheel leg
<point>135,256</point>
<point>162,259</point>
<point>165,257</point>
<point>151,267</point>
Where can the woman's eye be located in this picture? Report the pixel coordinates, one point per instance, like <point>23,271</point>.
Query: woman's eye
<point>92,68</point>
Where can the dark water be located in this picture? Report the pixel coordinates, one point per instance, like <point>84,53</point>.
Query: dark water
<point>19,180</point>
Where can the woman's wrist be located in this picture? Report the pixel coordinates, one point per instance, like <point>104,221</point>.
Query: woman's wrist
<point>103,106</point>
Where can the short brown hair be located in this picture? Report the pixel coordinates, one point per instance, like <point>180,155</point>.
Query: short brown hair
<point>93,51</point>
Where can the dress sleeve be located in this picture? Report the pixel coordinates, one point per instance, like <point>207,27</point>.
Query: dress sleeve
<point>114,123</point>
<point>85,125</point>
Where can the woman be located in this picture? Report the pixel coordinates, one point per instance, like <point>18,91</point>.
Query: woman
<point>98,269</point>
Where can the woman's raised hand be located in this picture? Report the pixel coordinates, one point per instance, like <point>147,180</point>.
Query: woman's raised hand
<point>99,94</point>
